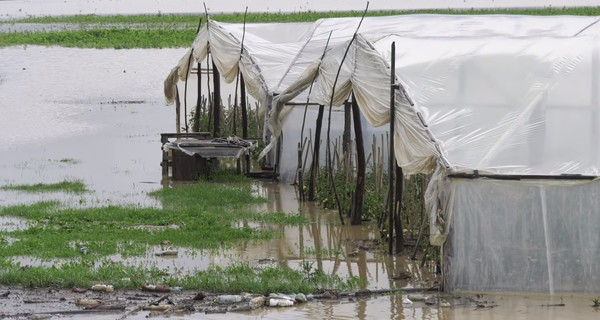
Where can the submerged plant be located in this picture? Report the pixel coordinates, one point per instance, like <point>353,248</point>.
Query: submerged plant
<point>76,186</point>
<point>76,246</point>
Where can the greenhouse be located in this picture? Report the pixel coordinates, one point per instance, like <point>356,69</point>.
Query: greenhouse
<point>503,112</point>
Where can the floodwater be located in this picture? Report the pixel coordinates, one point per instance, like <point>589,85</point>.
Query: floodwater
<point>96,116</point>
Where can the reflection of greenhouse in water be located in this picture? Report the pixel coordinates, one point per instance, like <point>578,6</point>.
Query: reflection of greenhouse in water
<point>501,111</point>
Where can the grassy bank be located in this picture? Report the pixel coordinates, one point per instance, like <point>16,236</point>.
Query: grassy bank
<point>82,246</point>
<point>163,31</point>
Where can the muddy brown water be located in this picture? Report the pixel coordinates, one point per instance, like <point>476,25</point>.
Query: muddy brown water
<point>96,115</point>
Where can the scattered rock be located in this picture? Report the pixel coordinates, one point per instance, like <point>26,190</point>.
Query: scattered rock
<point>300,297</point>
<point>329,294</point>
<point>430,301</point>
<point>363,293</point>
<point>199,296</point>
<point>79,290</point>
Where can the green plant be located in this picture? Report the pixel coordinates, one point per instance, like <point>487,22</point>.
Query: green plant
<point>64,186</point>
<point>168,31</point>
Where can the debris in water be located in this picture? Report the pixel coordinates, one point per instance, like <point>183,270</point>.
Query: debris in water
<point>280,302</point>
<point>155,288</point>
<point>172,253</point>
<point>430,301</point>
<point>229,298</point>
<point>266,260</point>
<point>103,288</point>
<point>87,302</point>
<point>445,304</point>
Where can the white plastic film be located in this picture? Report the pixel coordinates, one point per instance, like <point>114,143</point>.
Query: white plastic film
<point>527,244</point>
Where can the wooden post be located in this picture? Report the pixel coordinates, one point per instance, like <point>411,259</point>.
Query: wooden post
<point>398,210</point>
<point>216,102</point>
<point>177,111</point>
<point>315,161</point>
<point>359,192</point>
<point>346,137</point>
<point>165,155</point>
<point>392,160</point>
<point>196,125</point>
<point>244,106</point>
<point>299,175</point>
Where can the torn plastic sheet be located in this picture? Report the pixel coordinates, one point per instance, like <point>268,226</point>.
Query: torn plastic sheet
<point>210,148</point>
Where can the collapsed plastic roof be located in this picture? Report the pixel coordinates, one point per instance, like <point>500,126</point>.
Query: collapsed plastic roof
<point>496,93</point>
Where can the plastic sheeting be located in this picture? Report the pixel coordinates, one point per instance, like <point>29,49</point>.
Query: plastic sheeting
<point>275,56</point>
<point>487,93</point>
<point>211,149</point>
<point>546,239</point>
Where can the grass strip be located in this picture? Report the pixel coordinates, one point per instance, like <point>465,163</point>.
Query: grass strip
<point>262,17</point>
<point>169,31</point>
<point>64,186</point>
<point>103,38</point>
<point>235,278</point>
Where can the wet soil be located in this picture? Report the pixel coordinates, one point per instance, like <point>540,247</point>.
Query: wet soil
<point>19,303</point>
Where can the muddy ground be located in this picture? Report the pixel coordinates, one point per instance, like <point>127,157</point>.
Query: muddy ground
<point>48,303</point>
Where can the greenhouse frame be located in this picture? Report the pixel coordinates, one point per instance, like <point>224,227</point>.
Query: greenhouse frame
<point>502,110</point>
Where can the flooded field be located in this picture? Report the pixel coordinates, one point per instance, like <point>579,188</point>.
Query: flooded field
<point>96,116</point>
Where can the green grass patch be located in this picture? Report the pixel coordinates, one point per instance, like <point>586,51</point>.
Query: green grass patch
<point>263,17</point>
<point>64,186</point>
<point>76,243</point>
<point>236,278</point>
<point>244,278</point>
<point>157,19</point>
<point>68,161</point>
<point>168,31</point>
<point>102,38</point>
